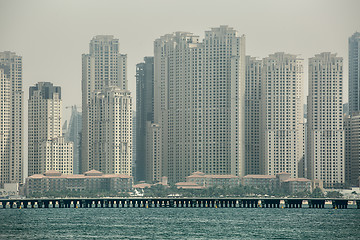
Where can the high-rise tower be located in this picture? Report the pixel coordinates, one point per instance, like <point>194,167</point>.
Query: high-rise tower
<point>282,115</point>
<point>199,97</point>
<point>325,120</point>
<point>11,116</point>
<point>104,74</point>
<point>144,113</point>
<point>354,73</point>
<point>73,134</point>
<point>47,149</point>
<point>111,131</point>
<point>252,115</point>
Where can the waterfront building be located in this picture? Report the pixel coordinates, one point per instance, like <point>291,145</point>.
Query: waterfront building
<point>354,73</point>
<point>281,112</point>
<point>111,131</point>
<point>281,181</point>
<point>11,119</point>
<point>47,149</point>
<point>199,101</point>
<point>325,120</point>
<point>252,115</point>
<point>297,185</point>
<point>90,181</point>
<point>260,181</point>
<point>102,68</point>
<point>73,134</point>
<point>207,180</point>
<point>352,149</point>
<point>144,117</point>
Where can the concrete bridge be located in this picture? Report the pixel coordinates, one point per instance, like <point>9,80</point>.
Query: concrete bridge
<point>177,203</point>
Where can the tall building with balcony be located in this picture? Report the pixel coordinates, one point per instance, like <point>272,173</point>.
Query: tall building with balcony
<point>352,149</point>
<point>11,116</point>
<point>47,149</point>
<point>144,116</point>
<point>281,124</point>
<point>103,71</point>
<point>252,115</point>
<point>110,126</point>
<point>199,101</point>
<point>354,73</point>
<point>325,120</point>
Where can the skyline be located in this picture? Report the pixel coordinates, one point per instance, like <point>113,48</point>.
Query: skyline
<point>29,36</point>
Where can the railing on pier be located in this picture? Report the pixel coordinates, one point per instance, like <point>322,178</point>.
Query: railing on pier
<point>177,203</point>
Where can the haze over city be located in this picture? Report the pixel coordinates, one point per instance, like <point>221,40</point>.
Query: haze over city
<point>179,119</point>
<point>52,35</point>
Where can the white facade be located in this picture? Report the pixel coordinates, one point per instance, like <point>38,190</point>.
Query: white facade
<point>110,128</point>
<point>199,92</point>
<point>281,135</point>
<point>5,123</point>
<point>45,132</point>
<point>153,152</point>
<point>12,162</point>
<point>325,120</point>
<point>57,155</point>
<point>104,66</point>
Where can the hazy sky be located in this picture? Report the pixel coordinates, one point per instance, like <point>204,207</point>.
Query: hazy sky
<point>51,35</point>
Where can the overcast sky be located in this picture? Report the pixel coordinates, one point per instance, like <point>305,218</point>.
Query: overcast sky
<point>51,35</point>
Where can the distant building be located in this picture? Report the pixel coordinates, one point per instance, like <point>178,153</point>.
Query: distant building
<point>102,68</point>
<point>260,181</point>
<point>352,149</point>
<point>11,119</point>
<point>253,76</point>
<point>144,117</point>
<point>280,181</point>
<point>205,180</point>
<point>111,131</point>
<point>91,181</point>
<point>325,144</point>
<point>47,149</point>
<point>73,134</point>
<point>354,73</point>
<point>199,101</point>
<point>281,126</point>
<point>297,185</point>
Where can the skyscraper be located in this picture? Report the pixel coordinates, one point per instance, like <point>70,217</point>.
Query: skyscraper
<point>282,115</point>
<point>103,67</point>
<point>111,131</point>
<point>11,116</point>
<point>199,97</point>
<point>47,149</point>
<point>352,149</point>
<point>73,134</point>
<point>354,73</point>
<point>252,115</point>
<point>144,113</point>
<point>325,120</point>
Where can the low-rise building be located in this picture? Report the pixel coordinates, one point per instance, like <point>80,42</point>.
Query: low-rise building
<point>260,181</point>
<point>91,181</point>
<point>294,185</point>
<point>201,179</point>
<point>281,181</point>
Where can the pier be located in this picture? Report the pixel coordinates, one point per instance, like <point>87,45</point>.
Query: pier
<point>176,203</point>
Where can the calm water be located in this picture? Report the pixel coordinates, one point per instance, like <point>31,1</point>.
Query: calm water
<point>172,223</point>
